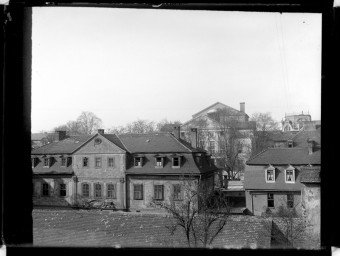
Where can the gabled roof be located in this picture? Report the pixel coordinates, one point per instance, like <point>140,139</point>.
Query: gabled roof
<point>300,139</point>
<point>283,156</point>
<point>219,105</point>
<point>115,140</point>
<point>310,174</point>
<point>66,146</point>
<point>155,143</point>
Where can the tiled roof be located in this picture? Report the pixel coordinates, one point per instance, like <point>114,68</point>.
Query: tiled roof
<point>39,136</point>
<point>280,136</point>
<point>300,139</point>
<point>254,178</point>
<point>281,156</point>
<point>66,146</point>
<point>95,228</point>
<point>310,174</point>
<point>55,168</point>
<point>155,143</point>
<point>114,139</point>
<point>188,166</point>
<point>221,105</point>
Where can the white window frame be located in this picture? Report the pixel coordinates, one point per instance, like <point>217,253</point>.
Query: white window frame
<point>113,191</point>
<point>99,162</point>
<point>270,168</point>
<point>140,162</point>
<point>159,164</point>
<point>48,162</point>
<point>290,168</point>
<point>179,162</point>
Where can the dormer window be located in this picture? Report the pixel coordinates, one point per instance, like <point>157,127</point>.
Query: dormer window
<point>138,161</point>
<point>63,161</point>
<point>270,174</point>
<point>47,161</point>
<point>290,143</point>
<point>290,174</point>
<point>33,162</point>
<point>159,161</point>
<point>198,158</point>
<point>176,161</point>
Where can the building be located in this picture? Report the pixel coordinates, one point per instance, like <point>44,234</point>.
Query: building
<point>225,133</point>
<point>40,139</point>
<point>127,171</point>
<point>273,177</point>
<point>295,122</point>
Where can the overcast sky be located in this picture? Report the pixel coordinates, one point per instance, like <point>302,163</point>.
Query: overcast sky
<point>129,64</point>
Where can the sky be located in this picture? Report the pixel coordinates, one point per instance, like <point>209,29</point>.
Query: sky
<point>130,64</point>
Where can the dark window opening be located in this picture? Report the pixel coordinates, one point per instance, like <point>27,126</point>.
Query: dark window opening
<point>270,199</point>
<point>62,189</point>
<point>290,200</point>
<point>45,189</point>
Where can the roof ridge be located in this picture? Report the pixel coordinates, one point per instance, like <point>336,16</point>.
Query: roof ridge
<point>173,136</point>
<point>82,144</point>
<point>103,135</point>
<point>257,154</point>
<point>122,143</point>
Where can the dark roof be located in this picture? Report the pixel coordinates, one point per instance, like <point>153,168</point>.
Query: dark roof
<point>54,169</point>
<point>101,228</point>
<point>300,139</point>
<point>188,166</point>
<point>235,111</point>
<point>114,139</point>
<point>280,136</point>
<point>155,143</point>
<point>40,136</point>
<point>66,146</point>
<point>310,174</point>
<point>282,156</point>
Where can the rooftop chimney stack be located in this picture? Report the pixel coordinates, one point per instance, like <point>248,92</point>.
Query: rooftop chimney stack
<point>310,146</point>
<point>242,107</point>
<point>193,137</point>
<point>177,130</point>
<point>101,131</point>
<point>61,135</point>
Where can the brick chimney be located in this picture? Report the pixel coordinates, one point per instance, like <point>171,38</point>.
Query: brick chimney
<point>310,146</point>
<point>193,137</point>
<point>61,135</point>
<point>101,131</point>
<point>177,132</point>
<point>243,107</point>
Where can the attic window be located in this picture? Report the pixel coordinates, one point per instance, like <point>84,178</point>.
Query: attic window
<point>47,162</point>
<point>63,161</point>
<point>138,161</point>
<point>176,162</point>
<point>270,174</point>
<point>290,174</point>
<point>159,162</point>
<point>290,143</point>
<point>33,162</point>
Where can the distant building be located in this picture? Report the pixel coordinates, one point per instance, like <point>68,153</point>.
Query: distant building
<point>41,139</point>
<point>295,122</point>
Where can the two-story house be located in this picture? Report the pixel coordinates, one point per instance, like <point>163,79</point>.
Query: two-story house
<point>159,164</point>
<point>273,177</point>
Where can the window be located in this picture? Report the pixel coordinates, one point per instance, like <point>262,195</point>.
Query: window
<point>62,189</point>
<point>212,146</point>
<point>138,191</point>
<point>45,189</point>
<point>290,143</point>
<point>176,162</point>
<point>111,191</point>
<point>138,162</point>
<point>177,192</point>
<point>159,162</point>
<point>85,190</point>
<point>290,174</point>
<point>158,190</point>
<point>97,190</point>
<point>111,162</point>
<point>85,162</point>
<point>201,144</point>
<point>270,174</point>
<point>46,162</point>
<point>270,199</point>
<point>33,162</point>
<point>98,162</point>
<point>63,161</point>
<point>182,135</point>
<point>290,200</point>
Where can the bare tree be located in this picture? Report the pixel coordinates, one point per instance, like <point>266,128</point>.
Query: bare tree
<point>88,122</point>
<point>264,125</point>
<point>140,126</point>
<point>167,126</point>
<point>201,214</point>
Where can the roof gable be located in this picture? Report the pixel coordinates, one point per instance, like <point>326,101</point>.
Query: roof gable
<point>99,144</point>
<point>217,105</point>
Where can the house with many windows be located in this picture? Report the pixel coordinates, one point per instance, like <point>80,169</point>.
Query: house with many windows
<point>128,171</point>
<point>158,164</point>
<point>274,177</point>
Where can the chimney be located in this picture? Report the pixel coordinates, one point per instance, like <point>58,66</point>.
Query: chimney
<point>193,137</point>
<point>242,107</point>
<point>310,146</point>
<point>177,130</point>
<point>61,135</point>
<point>101,131</point>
